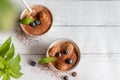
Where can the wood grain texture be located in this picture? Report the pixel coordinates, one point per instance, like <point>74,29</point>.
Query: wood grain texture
<point>94,25</point>
<point>91,67</point>
<point>77,12</point>
<point>89,39</point>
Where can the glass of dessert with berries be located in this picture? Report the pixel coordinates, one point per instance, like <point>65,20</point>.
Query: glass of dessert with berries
<point>37,22</point>
<point>66,52</point>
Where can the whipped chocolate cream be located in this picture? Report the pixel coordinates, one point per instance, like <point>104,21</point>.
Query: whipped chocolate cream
<point>60,63</point>
<point>40,13</point>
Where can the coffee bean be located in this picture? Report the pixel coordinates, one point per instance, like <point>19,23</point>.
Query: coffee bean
<point>74,74</point>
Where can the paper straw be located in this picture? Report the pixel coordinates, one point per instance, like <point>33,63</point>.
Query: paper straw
<point>30,10</point>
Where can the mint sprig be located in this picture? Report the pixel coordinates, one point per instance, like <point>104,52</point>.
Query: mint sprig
<point>5,46</point>
<point>25,21</point>
<point>6,77</point>
<point>46,60</point>
<point>9,66</point>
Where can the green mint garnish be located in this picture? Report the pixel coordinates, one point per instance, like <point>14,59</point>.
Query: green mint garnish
<point>7,15</point>
<point>46,60</point>
<point>5,46</point>
<point>6,77</point>
<point>9,66</point>
<point>25,21</point>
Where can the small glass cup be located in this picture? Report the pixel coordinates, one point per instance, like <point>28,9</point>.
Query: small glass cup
<point>62,40</point>
<point>40,13</point>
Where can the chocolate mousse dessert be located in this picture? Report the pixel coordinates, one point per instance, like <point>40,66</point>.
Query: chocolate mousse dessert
<point>42,20</point>
<point>67,54</point>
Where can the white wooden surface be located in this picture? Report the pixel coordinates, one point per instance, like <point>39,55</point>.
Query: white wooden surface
<point>93,25</point>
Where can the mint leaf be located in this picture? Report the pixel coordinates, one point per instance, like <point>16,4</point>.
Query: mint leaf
<point>6,77</point>
<point>7,15</point>
<point>18,67</point>
<point>25,21</point>
<point>9,66</point>
<point>15,61</point>
<point>10,53</point>
<point>47,60</point>
<point>4,48</point>
<point>1,73</point>
<point>2,65</point>
<point>15,73</point>
<point>2,60</point>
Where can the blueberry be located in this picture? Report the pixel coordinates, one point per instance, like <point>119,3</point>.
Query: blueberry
<point>32,24</point>
<point>33,63</point>
<point>65,78</point>
<point>67,51</point>
<point>58,54</point>
<point>69,61</point>
<point>37,22</point>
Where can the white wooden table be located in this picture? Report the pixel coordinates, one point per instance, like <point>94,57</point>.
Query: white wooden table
<point>93,25</point>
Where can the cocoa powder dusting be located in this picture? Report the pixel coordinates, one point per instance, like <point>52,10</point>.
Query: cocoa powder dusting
<point>24,38</point>
<point>60,63</point>
<point>40,13</point>
<point>55,73</point>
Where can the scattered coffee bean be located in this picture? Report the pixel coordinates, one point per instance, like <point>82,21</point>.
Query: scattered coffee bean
<point>65,78</point>
<point>69,61</point>
<point>74,74</point>
<point>33,63</point>
<point>58,54</point>
<point>32,24</point>
<point>67,51</point>
<point>37,22</point>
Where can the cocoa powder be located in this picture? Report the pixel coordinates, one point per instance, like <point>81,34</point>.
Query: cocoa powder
<point>60,63</point>
<point>39,13</point>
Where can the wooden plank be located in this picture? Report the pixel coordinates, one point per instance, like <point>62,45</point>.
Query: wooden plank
<point>77,12</point>
<point>91,67</point>
<point>89,39</point>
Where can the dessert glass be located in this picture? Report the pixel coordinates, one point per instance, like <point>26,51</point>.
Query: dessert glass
<point>59,42</point>
<point>40,13</point>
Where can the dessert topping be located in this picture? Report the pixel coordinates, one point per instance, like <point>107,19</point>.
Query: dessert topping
<point>37,22</point>
<point>69,61</point>
<point>32,24</point>
<point>67,51</point>
<point>58,54</point>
